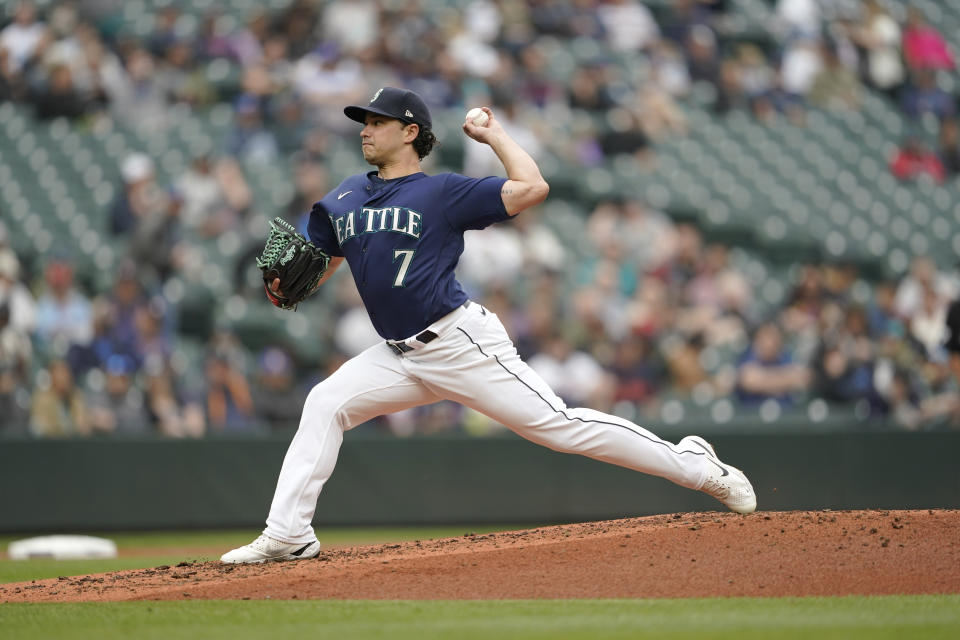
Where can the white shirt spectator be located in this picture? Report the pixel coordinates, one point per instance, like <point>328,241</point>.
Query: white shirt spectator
<point>474,56</point>
<point>353,25</point>
<point>884,59</point>
<point>482,18</point>
<point>800,66</point>
<point>13,293</point>
<point>575,376</point>
<point>354,332</point>
<point>21,41</point>
<point>493,257</point>
<point>799,17</point>
<point>629,25</point>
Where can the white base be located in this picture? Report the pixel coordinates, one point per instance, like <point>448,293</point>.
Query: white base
<point>62,547</point>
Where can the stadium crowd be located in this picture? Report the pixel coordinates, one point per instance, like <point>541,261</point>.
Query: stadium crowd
<point>659,311</point>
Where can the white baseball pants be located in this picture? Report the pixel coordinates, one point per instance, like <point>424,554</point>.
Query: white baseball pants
<point>473,362</point>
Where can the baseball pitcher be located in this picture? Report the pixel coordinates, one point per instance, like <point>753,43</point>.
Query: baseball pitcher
<point>401,233</point>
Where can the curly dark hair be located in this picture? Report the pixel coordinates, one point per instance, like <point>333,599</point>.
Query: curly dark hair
<point>424,143</point>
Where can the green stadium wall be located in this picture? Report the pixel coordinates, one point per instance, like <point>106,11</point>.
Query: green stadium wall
<point>91,485</point>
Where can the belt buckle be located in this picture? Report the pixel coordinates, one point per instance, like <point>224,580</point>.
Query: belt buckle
<point>399,348</point>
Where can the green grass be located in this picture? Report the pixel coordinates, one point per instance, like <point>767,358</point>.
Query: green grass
<point>202,545</point>
<point>869,618</point>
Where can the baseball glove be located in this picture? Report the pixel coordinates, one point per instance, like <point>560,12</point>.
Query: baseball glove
<point>295,261</point>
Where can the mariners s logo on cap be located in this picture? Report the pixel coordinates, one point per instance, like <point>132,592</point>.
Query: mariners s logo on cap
<point>393,103</point>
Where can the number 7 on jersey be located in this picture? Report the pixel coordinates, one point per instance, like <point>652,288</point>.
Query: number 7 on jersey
<point>406,255</point>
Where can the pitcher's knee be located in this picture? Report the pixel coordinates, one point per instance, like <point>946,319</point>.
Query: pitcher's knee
<point>323,406</point>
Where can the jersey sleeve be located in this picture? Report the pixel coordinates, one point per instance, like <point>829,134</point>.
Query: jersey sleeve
<point>473,203</point>
<point>320,231</point>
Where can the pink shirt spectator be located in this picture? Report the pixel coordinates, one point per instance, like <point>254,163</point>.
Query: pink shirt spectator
<point>925,48</point>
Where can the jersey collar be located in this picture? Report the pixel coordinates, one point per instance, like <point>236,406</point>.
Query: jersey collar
<point>372,177</point>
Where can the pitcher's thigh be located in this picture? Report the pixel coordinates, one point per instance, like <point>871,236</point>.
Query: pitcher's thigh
<point>368,385</point>
<point>483,371</point>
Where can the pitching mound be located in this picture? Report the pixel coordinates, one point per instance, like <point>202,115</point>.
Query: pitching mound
<point>682,555</point>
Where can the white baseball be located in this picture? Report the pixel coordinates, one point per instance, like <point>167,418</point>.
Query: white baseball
<point>477,116</point>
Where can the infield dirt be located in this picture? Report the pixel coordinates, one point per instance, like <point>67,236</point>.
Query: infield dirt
<point>680,555</point>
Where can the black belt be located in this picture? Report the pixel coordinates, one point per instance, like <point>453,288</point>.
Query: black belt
<point>425,337</point>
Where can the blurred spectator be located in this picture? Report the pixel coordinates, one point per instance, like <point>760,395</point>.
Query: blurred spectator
<point>646,235</point>
<point>249,140</point>
<point>626,137</point>
<point>928,325</point>
<point>599,307</point>
<point>802,62</point>
<point>637,371</point>
<point>121,335</point>
<point>684,362</point>
<point>310,182</point>
<point>164,32</point>
<point>64,316</point>
<point>952,342</point>
<point>660,116</point>
<point>542,249</point>
<point>923,276</point>
<point>11,82</point>
<point>628,25</point>
<point>949,141</point>
<point>323,78</point>
<point>716,300</point>
<point>914,159</point>
<point>353,332</point>
<point>59,98</point>
<point>535,323</point>
<point>137,96</point>
<point>703,57</point>
<point>843,367</point>
<point>491,260</point>
<point>912,411</point>
<point>766,370</point>
<point>22,37</point>
<point>205,210</point>
<point>471,53</point>
<point>353,25</point>
<point>289,123</point>
<point>922,96</point>
<point>574,375</point>
<point>120,408</point>
<point>835,87</point>
<point>879,35</point>
<point>16,354</point>
<point>229,406</point>
<point>174,413</point>
<point>21,306</point>
<point>924,48</point>
<point>179,78</point>
<point>277,399</point>
<point>156,242</point>
<point>139,196</point>
<point>59,407</point>
<point>883,318</point>
<point>669,70</point>
<point>681,16</point>
<point>588,90</point>
<point>798,19</point>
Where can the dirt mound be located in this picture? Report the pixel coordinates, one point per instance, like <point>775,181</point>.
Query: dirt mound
<point>681,555</point>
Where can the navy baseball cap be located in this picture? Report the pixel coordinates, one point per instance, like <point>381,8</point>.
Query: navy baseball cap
<point>394,103</point>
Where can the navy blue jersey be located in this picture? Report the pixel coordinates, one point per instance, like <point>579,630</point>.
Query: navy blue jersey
<point>402,239</point>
